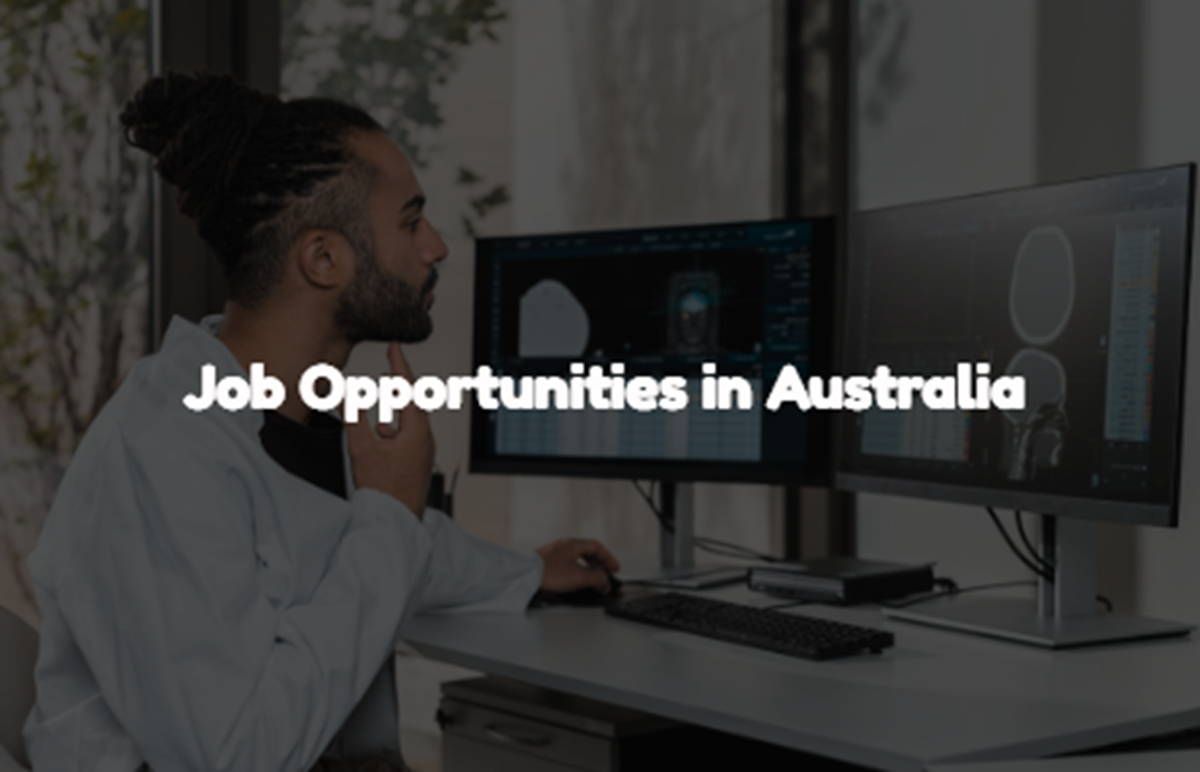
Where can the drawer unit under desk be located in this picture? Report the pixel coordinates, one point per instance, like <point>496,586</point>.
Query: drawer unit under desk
<point>496,725</point>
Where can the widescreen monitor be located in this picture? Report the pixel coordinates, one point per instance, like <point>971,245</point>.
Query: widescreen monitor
<point>747,298</point>
<point>1081,289</point>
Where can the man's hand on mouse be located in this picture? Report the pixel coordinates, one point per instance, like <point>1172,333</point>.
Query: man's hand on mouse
<point>577,564</point>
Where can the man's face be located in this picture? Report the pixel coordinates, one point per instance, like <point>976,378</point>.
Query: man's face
<point>394,275</point>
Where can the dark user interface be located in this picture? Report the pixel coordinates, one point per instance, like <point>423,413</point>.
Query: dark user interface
<point>1078,288</point>
<point>662,302</point>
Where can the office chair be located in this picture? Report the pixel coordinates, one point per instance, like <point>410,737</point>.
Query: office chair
<point>18,656</point>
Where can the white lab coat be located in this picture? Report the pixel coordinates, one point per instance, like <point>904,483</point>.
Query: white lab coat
<point>206,610</point>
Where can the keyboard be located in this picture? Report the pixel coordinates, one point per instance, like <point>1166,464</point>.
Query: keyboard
<point>790,634</point>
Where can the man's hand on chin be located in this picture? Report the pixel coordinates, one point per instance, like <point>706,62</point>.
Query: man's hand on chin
<point>576,564</point>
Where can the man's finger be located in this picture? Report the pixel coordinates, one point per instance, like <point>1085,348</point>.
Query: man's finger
<point>399,363</point>
<point>359,435</point>
<point>387,431</point>
<point>595,552</point>
<point>596,578</point>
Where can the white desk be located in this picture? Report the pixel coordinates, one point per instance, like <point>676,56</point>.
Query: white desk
<point>936,697</point>
<point>1176,761</point>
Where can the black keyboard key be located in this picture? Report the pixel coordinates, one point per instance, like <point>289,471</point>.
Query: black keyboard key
<point>791,634</point>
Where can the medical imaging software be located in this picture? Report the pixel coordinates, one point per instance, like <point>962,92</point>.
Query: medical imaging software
<point>1071,287</point>
<point>662,302</point>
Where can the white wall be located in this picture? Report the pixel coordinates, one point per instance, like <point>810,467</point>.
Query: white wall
<point>1169,560</point>
<point>962,117</point>
<point>946,106</point>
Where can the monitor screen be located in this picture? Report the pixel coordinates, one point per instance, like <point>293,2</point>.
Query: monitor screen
<point>748,298</point>
<point>1079,288</point>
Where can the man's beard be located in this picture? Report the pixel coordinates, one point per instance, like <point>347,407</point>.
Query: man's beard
<point>380,307</point>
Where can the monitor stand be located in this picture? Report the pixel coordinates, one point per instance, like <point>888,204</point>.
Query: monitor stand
<point>676,548</point>
<point>677,569</point>
<point>1066,612</point>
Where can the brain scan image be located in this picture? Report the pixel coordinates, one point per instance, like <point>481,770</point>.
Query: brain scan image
<point>553,323</point>
<point>1041,298</point>
<point>693,313</point>
<point>1042,293</point>
<point>1034,437</point>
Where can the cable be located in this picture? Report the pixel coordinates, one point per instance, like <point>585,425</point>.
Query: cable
<point>946,582</point>
<point>648,498</point>
<point>730,550</point>
<point>1043,568</point>
<point>710,545</point>
<point>1033,552</point>
<point>953,589</point>
<point>1048,565</point>
<point>957,591</point>
<point>1034,567</point>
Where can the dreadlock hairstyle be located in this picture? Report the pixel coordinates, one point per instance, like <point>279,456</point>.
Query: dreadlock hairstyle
<point>253,172</point>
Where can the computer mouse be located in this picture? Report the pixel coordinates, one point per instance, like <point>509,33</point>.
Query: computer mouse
<point>588,596</point>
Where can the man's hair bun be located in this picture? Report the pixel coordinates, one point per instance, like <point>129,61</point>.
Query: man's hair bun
<point>196,127</point>
<point>252,171</point>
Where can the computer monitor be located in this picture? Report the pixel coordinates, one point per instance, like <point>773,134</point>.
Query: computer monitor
<point>747,297</point>
<point>1081,289</point>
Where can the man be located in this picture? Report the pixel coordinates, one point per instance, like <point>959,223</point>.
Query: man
<point>223,591</point>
